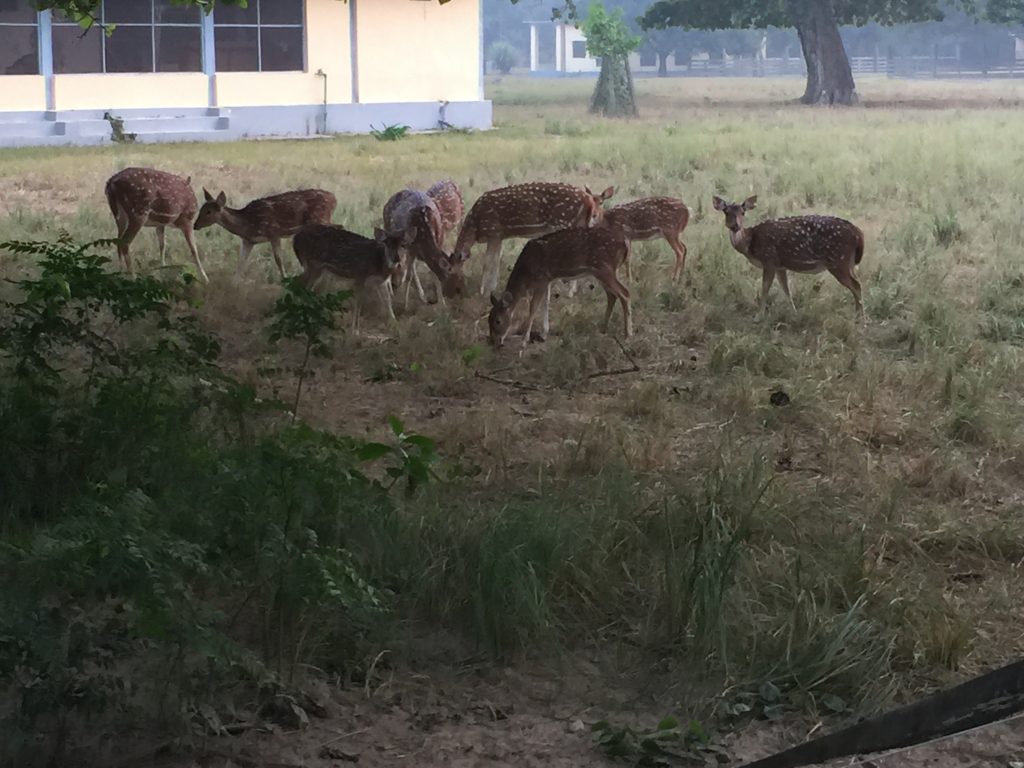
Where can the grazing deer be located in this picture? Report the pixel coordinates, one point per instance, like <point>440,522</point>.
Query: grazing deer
<point>267,219</point>
<point>524,210</point>
<point>448,198</point>
<point>146,197</point>
<point>367,263</point>
<point>567,253</point>
<point>796,244</point>
<point>410,210</point>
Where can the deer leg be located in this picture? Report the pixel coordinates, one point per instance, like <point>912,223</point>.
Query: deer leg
<point>134,226</point>
<point>679,247</point>
<point>190,239</point>
<point>492,267</point>
<point>784,283</point>
<point>416,279</point>
<point>767,278</point>
<point>385,297</point>
<point>275,248</point>
<point>244,249</point>
<point>616,290</point>
<point>545,323</point>
<point>162,243</point>
<point>535,301</point>
<point>847,278</point>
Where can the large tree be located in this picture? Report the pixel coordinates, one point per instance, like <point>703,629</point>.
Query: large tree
<point>829,79</point>
<point>609,39</point>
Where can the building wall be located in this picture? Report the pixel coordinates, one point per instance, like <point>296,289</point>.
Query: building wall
<point>22,93</point>
<point>418,50</point>
<point>572,36</point>
<point>130,91</point>
<point>327,48</point>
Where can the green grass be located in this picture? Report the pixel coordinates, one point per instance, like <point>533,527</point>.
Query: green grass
<point>678,513</point>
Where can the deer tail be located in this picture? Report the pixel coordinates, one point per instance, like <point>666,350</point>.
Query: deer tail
<point>109,192</point>
<point>859,253</point>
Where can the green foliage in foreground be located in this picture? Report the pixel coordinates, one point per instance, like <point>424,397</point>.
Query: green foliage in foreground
<point>159,522</point>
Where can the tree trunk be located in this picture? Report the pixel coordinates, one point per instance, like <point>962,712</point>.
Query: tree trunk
<point>663,63</point>
<point>829,79</point>
<point>613,95</point>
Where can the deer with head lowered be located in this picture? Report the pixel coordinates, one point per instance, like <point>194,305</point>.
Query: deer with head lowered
<point>267,219</point>
<point>796,244</point>
<point>524,210</point>
<point>568,253</point>
<point>146,197</point>
<point>416,212</point>
<point>368,263</point>
<point>448,198</point>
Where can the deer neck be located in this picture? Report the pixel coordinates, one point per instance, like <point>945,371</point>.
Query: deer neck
<point>740,240</point>
<point>232,220</point>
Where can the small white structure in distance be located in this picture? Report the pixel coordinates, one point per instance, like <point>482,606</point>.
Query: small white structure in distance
<point>571,56</point>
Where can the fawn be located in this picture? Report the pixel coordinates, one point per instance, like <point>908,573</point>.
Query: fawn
<point>568,253</point>
<point>796,244</point>
<point>524,210</point>
<point>146,197</point>
<point>330,248</point>
<point>267,219</point>
<point>411,210</point>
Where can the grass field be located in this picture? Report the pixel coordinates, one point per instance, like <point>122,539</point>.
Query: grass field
<point>863,542</point>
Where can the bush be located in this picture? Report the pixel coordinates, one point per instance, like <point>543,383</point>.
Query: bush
<point>166,533</point>
<point>503,56</point>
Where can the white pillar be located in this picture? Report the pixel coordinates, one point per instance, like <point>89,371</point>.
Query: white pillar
<point>559,47</point>
<point>534,52</point>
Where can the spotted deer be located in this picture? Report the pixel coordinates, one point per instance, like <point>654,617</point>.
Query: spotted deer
<point>524,210</point>
<point>366,262</point>
<point>411,210</point>
<point>646,219</point>
<point>267,219</point>
<point>448,198</point>
<point>568,253</point>
<point>146,197</point>
<point>796,244</point>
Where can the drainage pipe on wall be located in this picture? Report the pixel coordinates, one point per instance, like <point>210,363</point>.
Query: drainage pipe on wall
<point>323,121</point>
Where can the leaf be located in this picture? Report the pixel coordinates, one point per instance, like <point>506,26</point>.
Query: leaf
<point>668,723</point>
<point>396,426</point>
<point>834,703</point>
<point>373,451</point>
<point>770,692</point>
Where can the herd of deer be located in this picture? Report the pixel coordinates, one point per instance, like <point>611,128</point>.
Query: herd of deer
<point>573,237</point>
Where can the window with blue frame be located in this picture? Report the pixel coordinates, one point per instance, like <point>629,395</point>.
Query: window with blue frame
<point>19,38</point>
<point>148,36</point>
<point>266,36</point>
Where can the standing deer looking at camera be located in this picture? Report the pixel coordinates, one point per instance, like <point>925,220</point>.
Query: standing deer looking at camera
<point>524,210</point>
<point>796,244</point>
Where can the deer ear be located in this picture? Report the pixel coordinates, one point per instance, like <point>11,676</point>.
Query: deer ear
<point>718,202</point>
<point>608,193</point>
<point>380,235</point>
<point>496,299</point>
<point>506,300</point>
<point>206,193</point>
<point>750,203</point>
<point>222,199</point>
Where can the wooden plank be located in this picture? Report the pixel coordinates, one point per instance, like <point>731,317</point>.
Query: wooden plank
<point>982,700</point>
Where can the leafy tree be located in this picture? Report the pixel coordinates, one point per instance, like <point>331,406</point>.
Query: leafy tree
<point>609,39</point>
<point>829,79</point>
<point>503,56</point>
